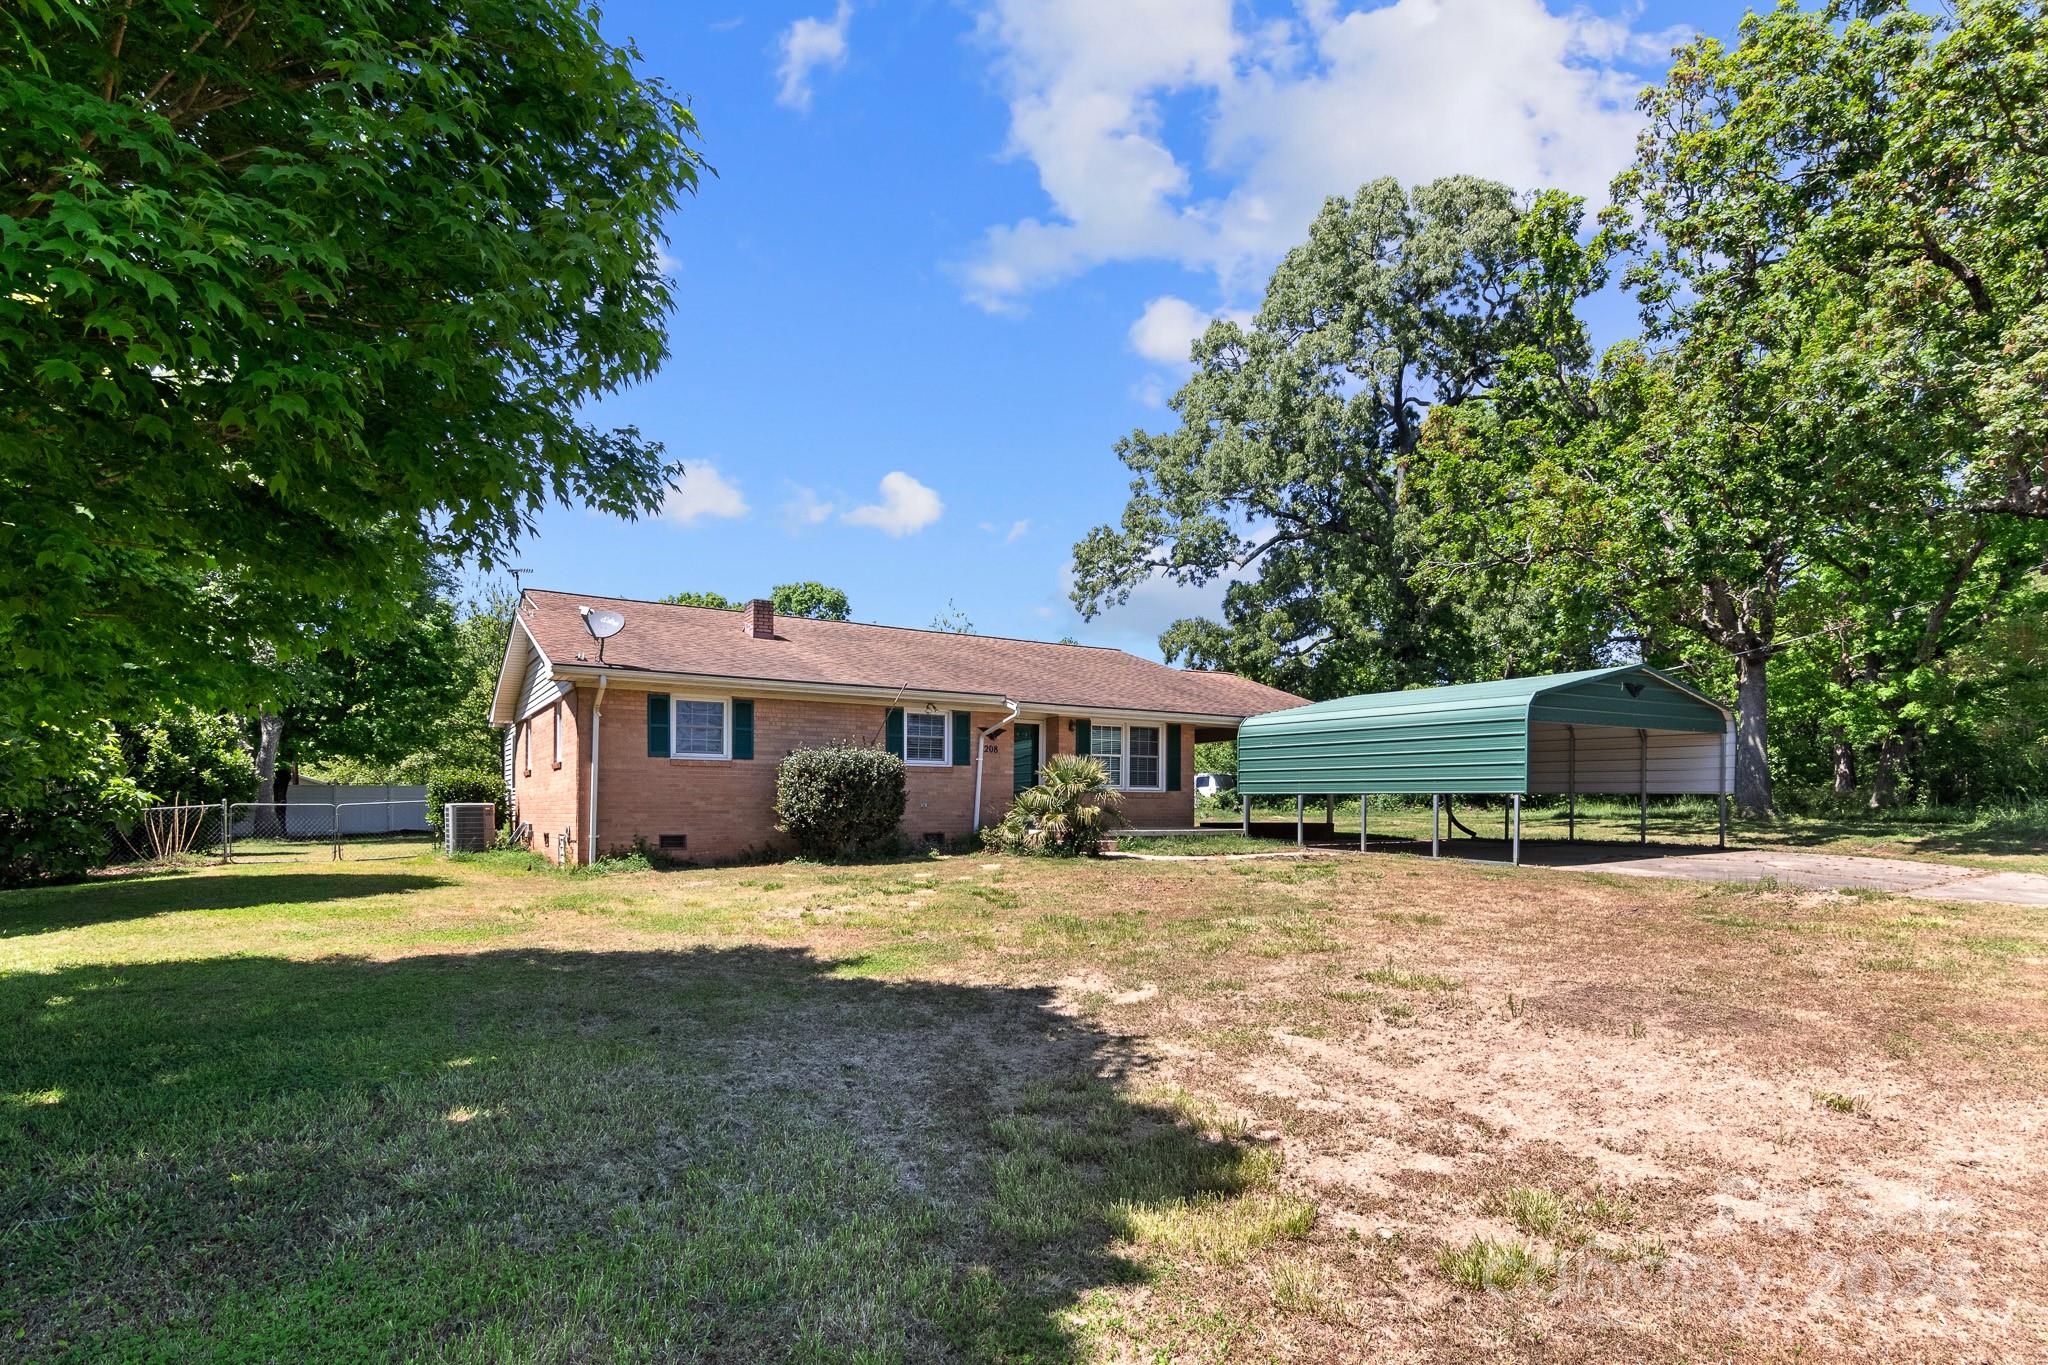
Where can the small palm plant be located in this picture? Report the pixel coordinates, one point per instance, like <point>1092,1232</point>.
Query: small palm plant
<point>1068,812</point>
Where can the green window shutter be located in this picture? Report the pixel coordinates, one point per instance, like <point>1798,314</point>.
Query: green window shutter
<point>894,730</point>
<point>1083,741</point>
<point>1173,758</point>
<point>963,737</point>
<point>742,729</point>
<point>657,725</point>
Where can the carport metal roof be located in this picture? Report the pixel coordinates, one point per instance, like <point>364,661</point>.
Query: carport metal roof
<point>1470,738</point>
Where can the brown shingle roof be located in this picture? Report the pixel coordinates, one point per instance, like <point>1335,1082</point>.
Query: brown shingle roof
<point>659,638</point>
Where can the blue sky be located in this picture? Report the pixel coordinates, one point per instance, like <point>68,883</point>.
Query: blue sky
<point>954,250</point>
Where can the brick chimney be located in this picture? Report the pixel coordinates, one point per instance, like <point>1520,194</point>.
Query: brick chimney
<point>761,619</point>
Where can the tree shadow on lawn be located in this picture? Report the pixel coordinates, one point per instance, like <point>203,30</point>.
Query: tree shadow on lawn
<point>107,900</point>
<point>730,1153</point>
<point>1995,834</point>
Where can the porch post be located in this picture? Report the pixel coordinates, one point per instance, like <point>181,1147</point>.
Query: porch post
<point>1300,814</point>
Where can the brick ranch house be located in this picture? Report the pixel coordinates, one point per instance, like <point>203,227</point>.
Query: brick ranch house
<point>673,736</point>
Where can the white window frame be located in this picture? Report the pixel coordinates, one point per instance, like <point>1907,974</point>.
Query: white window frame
<point>1123,729</point>
<point>945,759</point>
<point>675,728</point>
<point>558,733</point>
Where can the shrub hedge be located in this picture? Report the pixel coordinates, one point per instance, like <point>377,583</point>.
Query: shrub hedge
<point>461,785</point>
<point>840,801</point>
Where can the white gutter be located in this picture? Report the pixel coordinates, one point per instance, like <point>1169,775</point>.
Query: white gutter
<point>981,756</point>
<point>887,695</point>
<point>596,740</point>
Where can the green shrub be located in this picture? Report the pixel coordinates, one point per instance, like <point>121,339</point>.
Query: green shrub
<point>463,785</point>
<point>180,756</point>
<point>67,826</point>
<point>840,801</point>
<point>1067,813</point>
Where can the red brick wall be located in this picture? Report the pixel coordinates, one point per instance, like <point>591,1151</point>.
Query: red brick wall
<point>726,807</point>
<point>552,799</point>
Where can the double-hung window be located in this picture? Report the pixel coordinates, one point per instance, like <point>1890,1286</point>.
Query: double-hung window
<point>1106,744</point>
<point>1130,754</point>
<point>924,738</point>
<point>699,730</point>
<point>1142,767</point>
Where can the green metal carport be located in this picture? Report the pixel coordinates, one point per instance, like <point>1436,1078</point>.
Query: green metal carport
<point>1627,730</point>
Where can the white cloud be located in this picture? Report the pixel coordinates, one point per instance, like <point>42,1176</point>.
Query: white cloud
<point>1017,530</point>
<point>1285,113</point>
<point>906,506</point>
<point>1168,327</point>
<point>807,46</point>
<point>702,492</point>
<point>805,508</point>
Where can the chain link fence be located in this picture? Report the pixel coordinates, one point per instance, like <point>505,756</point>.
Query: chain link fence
<point>293,831</point>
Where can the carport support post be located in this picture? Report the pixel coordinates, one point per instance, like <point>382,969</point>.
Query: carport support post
<point>1435,822</point>
<point>1300,814</point>
<point>1642,786</point>
<point>1571,782</point>
<point>1721,785</point>
<point>1245,799</point>
<point>1363,821</point>
<point>1516,856</point>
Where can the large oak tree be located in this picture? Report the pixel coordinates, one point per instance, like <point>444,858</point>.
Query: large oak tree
<point>295,297</point>
<point>1288,474</point>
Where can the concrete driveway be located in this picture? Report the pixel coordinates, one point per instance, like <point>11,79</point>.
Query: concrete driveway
<point>1837,872</point>
<point>1788,867</point>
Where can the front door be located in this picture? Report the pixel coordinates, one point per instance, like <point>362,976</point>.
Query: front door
<point>1024,758</point>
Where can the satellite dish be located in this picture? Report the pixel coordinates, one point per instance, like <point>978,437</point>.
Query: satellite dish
<point>602,625</point>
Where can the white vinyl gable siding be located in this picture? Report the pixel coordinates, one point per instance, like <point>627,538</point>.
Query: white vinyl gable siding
<point>540,688</point>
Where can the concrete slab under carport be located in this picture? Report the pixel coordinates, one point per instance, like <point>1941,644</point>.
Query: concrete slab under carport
<point>1788,867</point>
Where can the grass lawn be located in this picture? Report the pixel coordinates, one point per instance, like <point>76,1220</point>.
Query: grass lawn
<point>982,1108</point>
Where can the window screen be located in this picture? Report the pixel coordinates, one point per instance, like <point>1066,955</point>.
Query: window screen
<point>699,731</point>
<point>1144,756</point>
<point>924,737</point>
<point>1106,743</point>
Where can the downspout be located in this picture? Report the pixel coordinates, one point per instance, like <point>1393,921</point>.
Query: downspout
<point>596,740</point>
<point>981,756</point>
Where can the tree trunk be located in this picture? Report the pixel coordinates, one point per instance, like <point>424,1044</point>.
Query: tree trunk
<point>1886,781</point>
<point>269,732</point>
<point>1845,766</point>
<point>1752,720</point>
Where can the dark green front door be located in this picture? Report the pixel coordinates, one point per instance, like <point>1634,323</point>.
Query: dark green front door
<point>1024,759</point>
